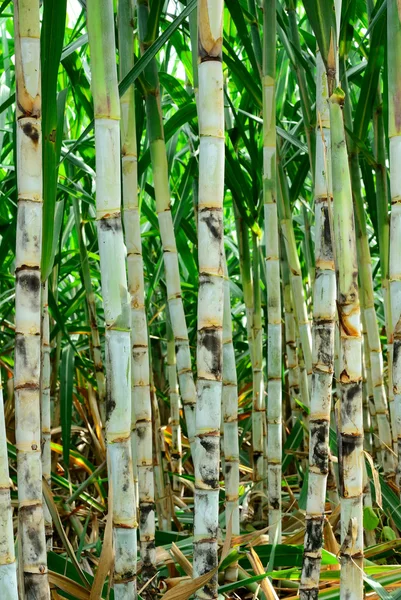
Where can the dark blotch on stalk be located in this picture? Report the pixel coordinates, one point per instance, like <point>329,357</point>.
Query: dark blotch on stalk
<point>314,535</point>
<point>319,431</point>
<point>33,585</point>
<point>274,503</point>
<point>110,224</point>
<point>209,444</point>
<point>209,477</point>
<point>144,511</point>
<point>396,350</point>
<point>210,339</point>
<point>110,404</point>
<point>312,594</point>
<point>20,348</point>
<point>30,282</point>
<point>326,229</point>
<point>31,132</point>
<point>349,393</point>
<point>325,344</point>
<point>213,223</point>
<point>36,543</point>
<point>140,431</point>
<point>308,566</point>
<point>349,443</point>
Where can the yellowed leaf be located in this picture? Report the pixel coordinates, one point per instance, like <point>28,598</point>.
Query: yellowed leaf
<point>376,480</point>
<point>107,555</point>
<point>69,586</point>
<point>258,568</point>
<point>181,559</point>
<point>184,590</point>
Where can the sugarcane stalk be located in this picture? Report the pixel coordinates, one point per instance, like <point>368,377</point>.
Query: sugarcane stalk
<point>350,379</point>
<point>324,312</point>
<point>173,391</point>
<point>162,193</point>
<point>301,313</point>
<point>394,134</point>
<point>274,339</point>
<point>8,566</point>
<point>367,301</point>
<point>100,24</point>
<point>28,299</point>
<point>91,305</point>
<point>230,426</point>
<point>258,399</point>
<point>210,297</point>
<point>45,409</point>
<point>290,340</point>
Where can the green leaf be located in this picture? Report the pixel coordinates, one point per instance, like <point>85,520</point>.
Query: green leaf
<point>321,15</point>
<point>52,37</point>
<point>66,387</point>
<point>389,533</point>
<point>370,518</point>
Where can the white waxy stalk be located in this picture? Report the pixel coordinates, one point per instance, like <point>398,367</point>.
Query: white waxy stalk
<point>394,134</point>
<point>258,397</point>
<point>367,444</point>
<point>324,313</point>
<point>45,409</point>
<point>274,338</point>
<point>176,445</point>
<point>230,426</point>
<point>290,342</point>
<point>210,299</point>
<point>140,387</point>
<point>350,368</point>
<point>8,566</point>
<point>100,23</point>
<point>28,300</point>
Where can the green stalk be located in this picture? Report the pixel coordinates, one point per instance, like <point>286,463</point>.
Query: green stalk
<point>257,46</point>
<point>274,338</point>
<point>27,364</point>
<point>210,297</point>
<point>351,421</point>
<point>100,24</point>
<point>162,193</point>
<point>383,224</point>
<point>301,312</point>
<point>91,304</point>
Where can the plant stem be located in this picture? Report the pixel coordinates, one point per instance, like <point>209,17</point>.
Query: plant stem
<point>28,299</point>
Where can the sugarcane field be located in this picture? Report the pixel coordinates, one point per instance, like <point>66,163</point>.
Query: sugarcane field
<point>200,299</point>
